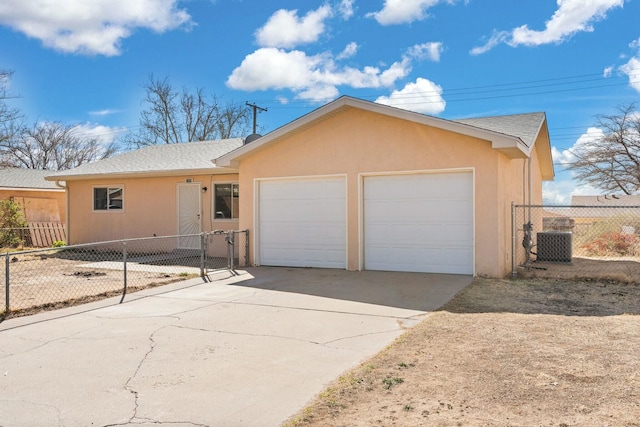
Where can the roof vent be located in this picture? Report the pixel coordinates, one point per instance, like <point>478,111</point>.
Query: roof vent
<point>251,138</point>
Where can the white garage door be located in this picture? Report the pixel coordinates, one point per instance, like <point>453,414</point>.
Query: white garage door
<point>302,223</point>
<point>419,223</point>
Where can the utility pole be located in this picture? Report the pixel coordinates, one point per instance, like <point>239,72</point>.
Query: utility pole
<point>255,114</point>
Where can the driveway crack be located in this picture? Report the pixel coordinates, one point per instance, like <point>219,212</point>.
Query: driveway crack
<point>127,385</point>
<point>247,334</point>
<point>326,343</point>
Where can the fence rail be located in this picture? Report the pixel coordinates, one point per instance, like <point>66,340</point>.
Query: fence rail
<point>35,235</point>
<point>55,277</point>
<point>568,241</point>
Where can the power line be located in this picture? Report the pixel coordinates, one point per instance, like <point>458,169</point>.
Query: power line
<point>497,88</point>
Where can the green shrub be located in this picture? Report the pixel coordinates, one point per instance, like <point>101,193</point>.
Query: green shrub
<point>11,219</point>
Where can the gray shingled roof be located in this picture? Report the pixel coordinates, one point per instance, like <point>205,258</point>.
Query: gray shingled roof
<point>26,178</point>
<point>156,159</point>
<point>523,126</point>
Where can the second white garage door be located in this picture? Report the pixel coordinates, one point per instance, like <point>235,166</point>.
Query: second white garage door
<point>302,222</point>
<point>419,223</point>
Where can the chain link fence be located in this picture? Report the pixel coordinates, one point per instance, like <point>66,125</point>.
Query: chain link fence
<point>36,235</point>
<point>577,242</point>
<point>51,278</point>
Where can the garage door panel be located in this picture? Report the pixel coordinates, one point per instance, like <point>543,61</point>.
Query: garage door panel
<point>420,222</point>
<point>302,223</point>
<point>422,260</point>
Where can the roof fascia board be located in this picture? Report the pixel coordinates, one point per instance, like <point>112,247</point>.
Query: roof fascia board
<point>144,174</point>
<point>53,190</point>
<point>548,171</point>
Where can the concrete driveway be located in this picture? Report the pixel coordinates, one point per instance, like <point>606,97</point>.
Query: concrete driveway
<point>248,350</point>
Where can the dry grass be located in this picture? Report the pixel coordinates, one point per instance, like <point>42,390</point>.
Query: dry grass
<point>502,353</point>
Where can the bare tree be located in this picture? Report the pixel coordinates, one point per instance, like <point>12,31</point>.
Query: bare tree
<point>612,162</point>
<point>52,146</point>
<point>9,117</point>
<point>171,117</point>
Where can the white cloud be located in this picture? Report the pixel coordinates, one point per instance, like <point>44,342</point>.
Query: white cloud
<point>105,112</point>
<point>95,27</point>
<point>403,11</point>
<point>345,8</point>
<point>285,29</point>
<point>590,137</point>
<point>607,72</point>
<point>104,134</point>
<point>350,50</point>
<point>496,38</point>
<point>632,70</point>
<point>571,17</point>
<point>423,96</point>
<point>313,77</point>
<point>560,191</point>
<point>632,67</point>
<point>271,68</point>
<point>430,51</point>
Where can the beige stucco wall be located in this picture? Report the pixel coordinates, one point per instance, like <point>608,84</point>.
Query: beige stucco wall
<point>150,208</point>
<point>39,206</point>
<point>517,172</point>
<point>357,141</point>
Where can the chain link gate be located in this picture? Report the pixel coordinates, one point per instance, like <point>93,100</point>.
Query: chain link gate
<point>68,275</point>
<point>572,241</point>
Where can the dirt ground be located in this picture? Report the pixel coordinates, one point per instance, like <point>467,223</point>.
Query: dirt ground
<point>44,282</point>
<point>527,352</point>
<point>618,269</point>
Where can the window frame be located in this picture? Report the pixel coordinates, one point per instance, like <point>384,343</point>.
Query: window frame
<point>108,188</point>
<point>213,200</point>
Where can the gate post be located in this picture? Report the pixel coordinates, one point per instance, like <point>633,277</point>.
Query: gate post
<point>6,283</point>
<point>230,238</point>
<point>203,255</point>
<point>246,248</point>
<point>514,272</point>
<point>124,268</point>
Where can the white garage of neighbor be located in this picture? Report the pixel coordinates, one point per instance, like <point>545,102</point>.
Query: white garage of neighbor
<point>302,222</point>
<point>419,222</point>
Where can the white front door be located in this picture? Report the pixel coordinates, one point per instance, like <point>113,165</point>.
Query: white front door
<point>302,222</point>
<point>189,215</point>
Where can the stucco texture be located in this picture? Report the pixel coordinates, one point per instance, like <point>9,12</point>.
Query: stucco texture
<point>149,208</point>
<point>356,142</point>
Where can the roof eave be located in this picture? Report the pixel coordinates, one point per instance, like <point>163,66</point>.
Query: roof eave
<point>511,147</point>
<point>145,174</point>
<point>545,154</point>
<point>54,190</point>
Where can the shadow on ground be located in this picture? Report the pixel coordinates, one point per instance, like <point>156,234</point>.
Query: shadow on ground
<point>414,291</point>
<point>547,296</point>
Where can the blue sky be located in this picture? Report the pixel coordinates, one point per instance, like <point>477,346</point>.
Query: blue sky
<point>84,62</point>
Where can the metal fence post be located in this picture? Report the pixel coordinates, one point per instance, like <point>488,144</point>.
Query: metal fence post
<point>230,239</point>
<point>514,272</point>
<point>246,248</point>
<point>6,283</point>
<point>202,255</point>
<point>124,267</point>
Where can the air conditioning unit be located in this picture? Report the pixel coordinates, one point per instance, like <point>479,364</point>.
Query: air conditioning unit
<point>554,246</point>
